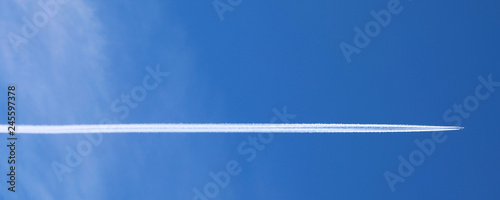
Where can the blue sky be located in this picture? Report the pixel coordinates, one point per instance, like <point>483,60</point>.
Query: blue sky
<point>264,56</point>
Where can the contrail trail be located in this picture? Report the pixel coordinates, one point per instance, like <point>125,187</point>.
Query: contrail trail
<point>223,128</point>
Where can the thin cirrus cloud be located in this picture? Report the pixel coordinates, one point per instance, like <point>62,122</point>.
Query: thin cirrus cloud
<point>59,76</point>
<point>62,59</point>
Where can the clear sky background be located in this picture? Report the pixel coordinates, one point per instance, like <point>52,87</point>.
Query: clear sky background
<point>262,57</point>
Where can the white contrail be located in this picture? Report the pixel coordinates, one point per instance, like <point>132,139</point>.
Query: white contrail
<point>223,128</point>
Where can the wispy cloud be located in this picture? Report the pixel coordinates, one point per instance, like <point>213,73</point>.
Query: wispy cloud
<point>60,76</point>
<point>63,60</point>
